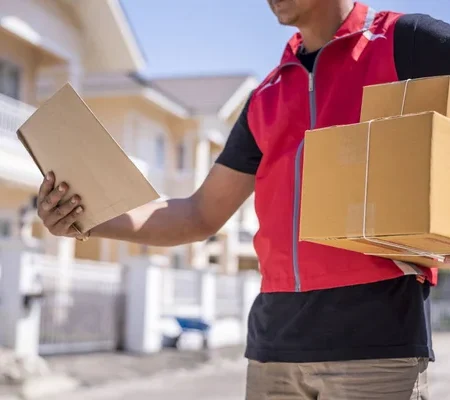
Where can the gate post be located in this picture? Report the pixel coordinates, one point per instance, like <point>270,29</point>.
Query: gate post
<point>143,290</point>
<point>20,290</point>
<point>208,296</point>
<point>251,284</point>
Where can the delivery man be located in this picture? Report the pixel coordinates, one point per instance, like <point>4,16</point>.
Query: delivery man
<point>328,324</point>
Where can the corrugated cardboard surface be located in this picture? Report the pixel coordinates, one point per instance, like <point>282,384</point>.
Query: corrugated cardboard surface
<point>65,137</point>
<point>386,100</point>
<point>407,194</point>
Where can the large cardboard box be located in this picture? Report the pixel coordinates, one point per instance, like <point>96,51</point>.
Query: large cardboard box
<point>380,187</point>
<point>406,97</point>
<point>65,137</point>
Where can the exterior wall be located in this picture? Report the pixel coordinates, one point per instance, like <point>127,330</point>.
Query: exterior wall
<point>235,115</point>
<point>89,250</point>
<point>120,115</point>
<point>12,197</point>
<point>25,57</point>
<point>111,113</point>
<point>55,24</point>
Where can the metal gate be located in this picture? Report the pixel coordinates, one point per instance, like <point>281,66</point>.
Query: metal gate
<point>82,308</point>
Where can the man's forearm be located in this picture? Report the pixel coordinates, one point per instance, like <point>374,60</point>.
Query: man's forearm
<point>170,223</point>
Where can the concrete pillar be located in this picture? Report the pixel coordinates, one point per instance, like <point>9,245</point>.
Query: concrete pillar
<point>229,258</point>
<point>20,308</point>
<point>143,308</point>
<point>208,296</point>
<point>200,256</point>
<point>202,160</point>
<point>251,286</point>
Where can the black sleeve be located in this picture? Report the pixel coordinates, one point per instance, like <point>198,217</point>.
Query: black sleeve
<point>421,47</point>
<point>241,152</point>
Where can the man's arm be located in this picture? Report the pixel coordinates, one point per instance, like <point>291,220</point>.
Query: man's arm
<point>181,221</point>
<point>421,47</point>
<point>176,221</point>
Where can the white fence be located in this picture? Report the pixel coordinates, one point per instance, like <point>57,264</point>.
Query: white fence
<point>181,292</point>
<point>84,304</point>
<point>229,296</point>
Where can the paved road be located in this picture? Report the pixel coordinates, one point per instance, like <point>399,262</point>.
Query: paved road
<point>225,380</point>
<point>219,381</point>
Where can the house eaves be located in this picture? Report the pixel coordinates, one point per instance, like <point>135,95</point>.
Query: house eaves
<point>110,43</point>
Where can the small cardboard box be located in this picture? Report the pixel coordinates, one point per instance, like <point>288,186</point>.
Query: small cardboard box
<point>406,97</point>
<point>65,137</point>
<point>376,186</point>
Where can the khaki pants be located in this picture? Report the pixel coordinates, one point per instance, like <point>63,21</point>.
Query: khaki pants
<point>389,379</point>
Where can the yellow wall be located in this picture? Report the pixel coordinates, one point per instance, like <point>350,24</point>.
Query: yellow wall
<point>12,197</point>
<point>50,20</point>
<point>53,22</point>
<point>246,264</point>
<point>113,112</point>
<point>89,250</point>
<point>25,57</point>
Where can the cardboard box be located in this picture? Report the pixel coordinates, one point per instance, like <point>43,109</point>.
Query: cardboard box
<point>406,202</point>
<point>406,97</point>
<point>65,137</point>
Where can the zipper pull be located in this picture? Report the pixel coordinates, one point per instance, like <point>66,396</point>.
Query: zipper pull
<point>311,82</point>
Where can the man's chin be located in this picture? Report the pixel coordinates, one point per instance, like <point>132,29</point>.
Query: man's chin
<point>286,21</point>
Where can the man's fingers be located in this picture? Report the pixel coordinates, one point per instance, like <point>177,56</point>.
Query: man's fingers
<point>62,211</point>
<point>54,197</point>
<point>64,226</point>
<point>46,186</point>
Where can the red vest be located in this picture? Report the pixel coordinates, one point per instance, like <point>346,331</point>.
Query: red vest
<point>287,103</point>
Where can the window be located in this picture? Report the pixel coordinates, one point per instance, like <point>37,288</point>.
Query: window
<point>177,261</point>
<point>181,156</point>
<point>9,79</point>
<point>5,228</point>
<point>160,149</point>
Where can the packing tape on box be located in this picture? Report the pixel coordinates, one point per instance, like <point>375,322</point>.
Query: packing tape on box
<point>402,111</point>
<point>407,250</point>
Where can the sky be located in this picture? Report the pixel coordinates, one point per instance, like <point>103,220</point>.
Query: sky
<point>197,37</point>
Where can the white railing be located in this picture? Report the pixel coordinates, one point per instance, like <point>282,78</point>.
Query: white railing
<point>228,296</point>
<point>15,163</point>
<point>182,292</point>
<point>79,273</point>
<point>13,114</point>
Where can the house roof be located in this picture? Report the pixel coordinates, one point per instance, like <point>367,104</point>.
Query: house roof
<point>202,94</point>
<point>120,84</point>
<point>183,96</point>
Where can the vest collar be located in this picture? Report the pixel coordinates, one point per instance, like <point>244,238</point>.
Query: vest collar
<point>360,19</point>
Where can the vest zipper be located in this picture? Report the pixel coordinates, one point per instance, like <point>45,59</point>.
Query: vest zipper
<point>298,158</point>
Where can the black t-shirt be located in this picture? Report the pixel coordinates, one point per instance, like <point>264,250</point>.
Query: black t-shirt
<point>379,320</point>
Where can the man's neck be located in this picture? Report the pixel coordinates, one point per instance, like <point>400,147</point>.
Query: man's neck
<point>323,24</point>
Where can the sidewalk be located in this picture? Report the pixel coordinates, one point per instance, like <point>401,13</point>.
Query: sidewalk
<point>225,380</point>
<point>207,375</point>
<point>85,372</point>
<point>98,369</point>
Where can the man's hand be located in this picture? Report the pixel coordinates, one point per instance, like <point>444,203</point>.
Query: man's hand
<point>58,218</point>
<point>171,223</point>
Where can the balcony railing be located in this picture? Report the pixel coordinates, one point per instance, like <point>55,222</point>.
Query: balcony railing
<point>13,113</point>
<point>16,165</point>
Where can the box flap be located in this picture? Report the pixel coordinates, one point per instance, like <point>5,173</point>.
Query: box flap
<point>424,94</point>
